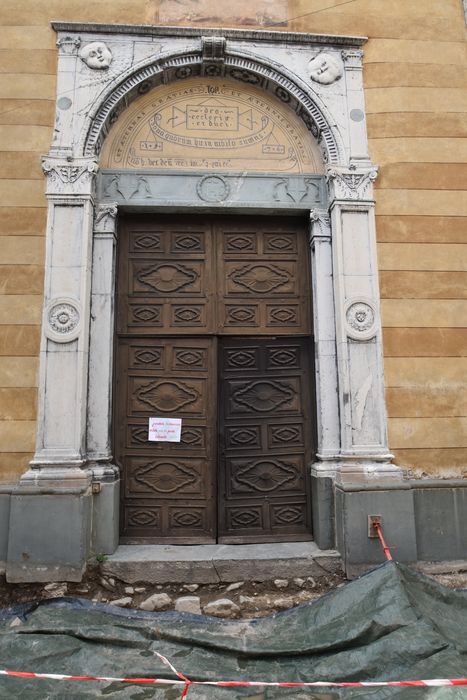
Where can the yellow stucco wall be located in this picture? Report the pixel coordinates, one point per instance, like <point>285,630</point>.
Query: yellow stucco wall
<point>415,79</point>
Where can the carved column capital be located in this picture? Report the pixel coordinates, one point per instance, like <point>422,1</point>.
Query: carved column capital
<point>352,183</point>
<point>353,59</point>
<point>69,176</point>
<point>68,45</point>
<point>105,216</point>
<point>320,226</point>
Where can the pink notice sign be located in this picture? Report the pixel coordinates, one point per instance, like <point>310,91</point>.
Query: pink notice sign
<point>165,429</point>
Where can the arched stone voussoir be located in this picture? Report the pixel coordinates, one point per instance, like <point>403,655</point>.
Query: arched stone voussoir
<point>246,67</point>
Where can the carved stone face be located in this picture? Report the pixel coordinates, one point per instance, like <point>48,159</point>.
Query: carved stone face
<point>324,69</point>
<point>96,55</point>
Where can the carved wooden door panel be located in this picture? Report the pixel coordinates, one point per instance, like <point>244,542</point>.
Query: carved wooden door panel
<point>169,488</point>
<point>165,358</point>
<point>263,280</point>
<point>186,285</point>
<point>265,440</point>
<point>166,277</point>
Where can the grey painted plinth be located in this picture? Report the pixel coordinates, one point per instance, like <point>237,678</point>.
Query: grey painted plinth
<point>105,529</point>
<point>441,519</point>
<point>4,520</point>
<point>322,505</point>
<point>49,537</point>
<point>354,503</point>
<point>219,563</point>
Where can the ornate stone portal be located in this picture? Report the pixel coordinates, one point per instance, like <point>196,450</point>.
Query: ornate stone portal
<point>190,120</point>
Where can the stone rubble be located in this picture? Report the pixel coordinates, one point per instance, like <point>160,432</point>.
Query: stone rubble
<point>122,602</point>
<point>281,583</point>
<point>224,607</point>
<point>189,604</point>
<point>158,601</point>
<point>55,590</point>
<point>235,586</point>
<point>107,583</point>
<point>237,599</point>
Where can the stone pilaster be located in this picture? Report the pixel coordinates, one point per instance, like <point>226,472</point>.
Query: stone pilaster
<point>101,342</point>
<point>327,407</point>
<point>363,432</point>
<point>50,516</point>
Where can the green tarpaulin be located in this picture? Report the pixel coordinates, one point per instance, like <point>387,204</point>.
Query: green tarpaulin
<point>391,624</point>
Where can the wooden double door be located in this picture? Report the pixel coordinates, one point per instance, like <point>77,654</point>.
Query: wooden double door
<point>213,327</point>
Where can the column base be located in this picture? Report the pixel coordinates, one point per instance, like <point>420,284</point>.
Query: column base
<point>55,477</point>
<point>105,507</point>
<point>333,470</point>
<point>393,502</point>
<point>49,535</point>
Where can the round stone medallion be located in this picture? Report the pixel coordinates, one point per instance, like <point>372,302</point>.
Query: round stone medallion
<point>63,320</point>
<point>360,317</point>
<point>213,188</point>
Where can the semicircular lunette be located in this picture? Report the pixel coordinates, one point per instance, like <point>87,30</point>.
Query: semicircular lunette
<point>216,124</point>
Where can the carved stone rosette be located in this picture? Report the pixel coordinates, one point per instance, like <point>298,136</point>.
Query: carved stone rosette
<point>360,317</point>
<point>62,320</point>
<point>353,183</point>
<point>65,177</point>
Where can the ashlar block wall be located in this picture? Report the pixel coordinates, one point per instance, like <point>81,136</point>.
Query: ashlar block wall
<point>416,96</point>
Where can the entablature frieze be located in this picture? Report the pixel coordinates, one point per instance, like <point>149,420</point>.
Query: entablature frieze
<point>166,188</point>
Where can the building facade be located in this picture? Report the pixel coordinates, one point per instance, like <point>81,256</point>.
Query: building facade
<point>251,220</point>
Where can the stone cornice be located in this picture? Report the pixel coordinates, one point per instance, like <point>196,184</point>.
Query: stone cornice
<point>234,34</point>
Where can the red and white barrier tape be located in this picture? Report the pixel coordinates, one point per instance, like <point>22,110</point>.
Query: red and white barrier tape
<point>187,683</point>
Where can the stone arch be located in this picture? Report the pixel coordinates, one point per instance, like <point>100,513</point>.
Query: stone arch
<point>237,65</point>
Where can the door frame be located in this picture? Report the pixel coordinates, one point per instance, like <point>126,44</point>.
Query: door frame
<point>77,328</point>
<point>214,227</point>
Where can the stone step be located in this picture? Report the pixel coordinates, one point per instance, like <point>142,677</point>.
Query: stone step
<point>218,563</point>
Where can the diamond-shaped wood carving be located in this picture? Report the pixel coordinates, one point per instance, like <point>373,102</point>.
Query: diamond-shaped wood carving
<point>167,396</point>
<point>147,313</point>
<point>238,243</point>
<point>263,395</point>
<point>283,314</point>
<point>241,315</point>
<point>166,477</point>
<point>186,518</point>
<point>280,243</point>
<point>241,358</point>
<point>188,242</point>
<point>266,475</point>
<point>187,314</point>
<point>243,437</point>
<point>286,433</point>
<point>147,241</point>
<point>167,277</point>
<point>260,279</point>
<point>190,358</point>
<point>193,437</point>
<point>244,517</point>
<point>148,356</point>
<point>143,518</point>
<point>289,515</point>
<point>139,436</point>
<point>283,357</point>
